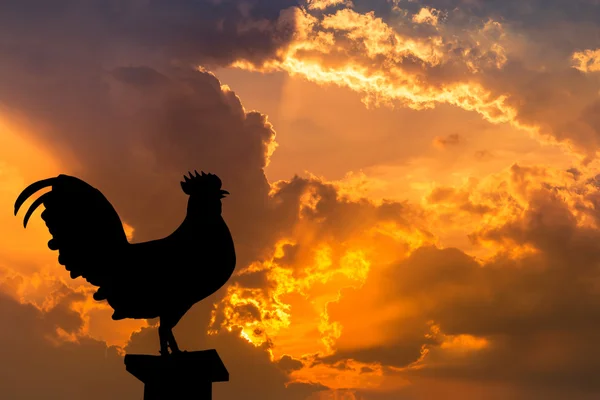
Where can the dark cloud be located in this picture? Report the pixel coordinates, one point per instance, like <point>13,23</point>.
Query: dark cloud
<point>37,363</point>
<point>140,130</point>
<point>559,101</point>
<point>290,253</point>
<point>453,139</point>
<point>101,92</point>
<point>289,364</point>
<point>337,215</point>
<point>438,387</point>
<point>528,14</point>
<point>213,32</point>
<point>533,12</point>
<point>459,198</point>
<point>538,79</point>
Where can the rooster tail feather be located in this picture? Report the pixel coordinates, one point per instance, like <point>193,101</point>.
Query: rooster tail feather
<point>86,230</point>
<point>29,191</point>
<point>38,202</point>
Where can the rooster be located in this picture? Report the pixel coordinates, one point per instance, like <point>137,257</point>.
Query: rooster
<point>161,278</point>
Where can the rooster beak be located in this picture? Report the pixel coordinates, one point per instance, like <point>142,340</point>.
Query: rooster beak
<point>223,193</point>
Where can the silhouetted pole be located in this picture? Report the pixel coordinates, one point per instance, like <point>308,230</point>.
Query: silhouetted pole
<point>178,377</point>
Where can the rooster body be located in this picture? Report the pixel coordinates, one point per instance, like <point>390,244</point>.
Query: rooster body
<point>161,278</point>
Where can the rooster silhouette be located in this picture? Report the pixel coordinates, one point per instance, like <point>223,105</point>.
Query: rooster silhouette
<point>162,278</point>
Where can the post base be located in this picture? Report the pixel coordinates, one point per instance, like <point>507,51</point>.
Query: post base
<point>178,376</point>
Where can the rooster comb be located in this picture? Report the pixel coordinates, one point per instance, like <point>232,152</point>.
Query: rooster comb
<point>202,184</point>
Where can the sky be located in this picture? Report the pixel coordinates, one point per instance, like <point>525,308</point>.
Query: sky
<point>415,191</point>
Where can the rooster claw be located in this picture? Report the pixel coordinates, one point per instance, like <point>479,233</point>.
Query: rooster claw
<point>172,353</point>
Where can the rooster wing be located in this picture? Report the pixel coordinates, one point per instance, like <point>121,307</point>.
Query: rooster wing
<point>86,229</point>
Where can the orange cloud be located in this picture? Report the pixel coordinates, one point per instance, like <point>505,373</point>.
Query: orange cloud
<point>365,54</point>
<point>348,314</point>
<point>332,246</point>
<point>586,60</point>
<point>334,290</point>
<point>485,66</point>
<point>323,4</point>
<point>427,15</point>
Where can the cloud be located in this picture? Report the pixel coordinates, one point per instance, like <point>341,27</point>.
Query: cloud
<point>40,359</point>
<point>204,32</point>
<point>252,371</point>
<point>519,319</point>
<point>129,122</point>
<point>323,4</point>
<point>587,60</point>
<point>331,243</point>
<point>131,129</point>
<point>37,363</point>
<point>289,364</point>
<point>483,155</point>
<point>493,59</point>
<point>132,137</point>
<point>362,51</point>
<point>453,139</point>
<point>338,284</point>
<point>135,136</point>
<point>427,16</point>
<point>119,103</point>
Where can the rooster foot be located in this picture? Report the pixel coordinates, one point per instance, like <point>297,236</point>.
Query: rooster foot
<point>172,352</point>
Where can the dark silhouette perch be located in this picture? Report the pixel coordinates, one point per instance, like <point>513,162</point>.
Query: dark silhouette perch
<point>161,278</point>
<point>188,375</point>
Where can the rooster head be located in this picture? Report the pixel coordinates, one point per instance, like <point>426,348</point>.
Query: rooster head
<point>203,184</point>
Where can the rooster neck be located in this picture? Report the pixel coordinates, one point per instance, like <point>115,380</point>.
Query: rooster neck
<point>204,207</point>
<point>200,220</point>
<point>196,225</point>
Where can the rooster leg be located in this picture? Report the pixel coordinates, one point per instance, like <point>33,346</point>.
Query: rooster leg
<point>163,335</point>
<point>167,340</point>
<point>172,343</point>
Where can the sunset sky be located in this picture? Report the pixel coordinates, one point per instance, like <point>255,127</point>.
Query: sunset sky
<point>415,191</point>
